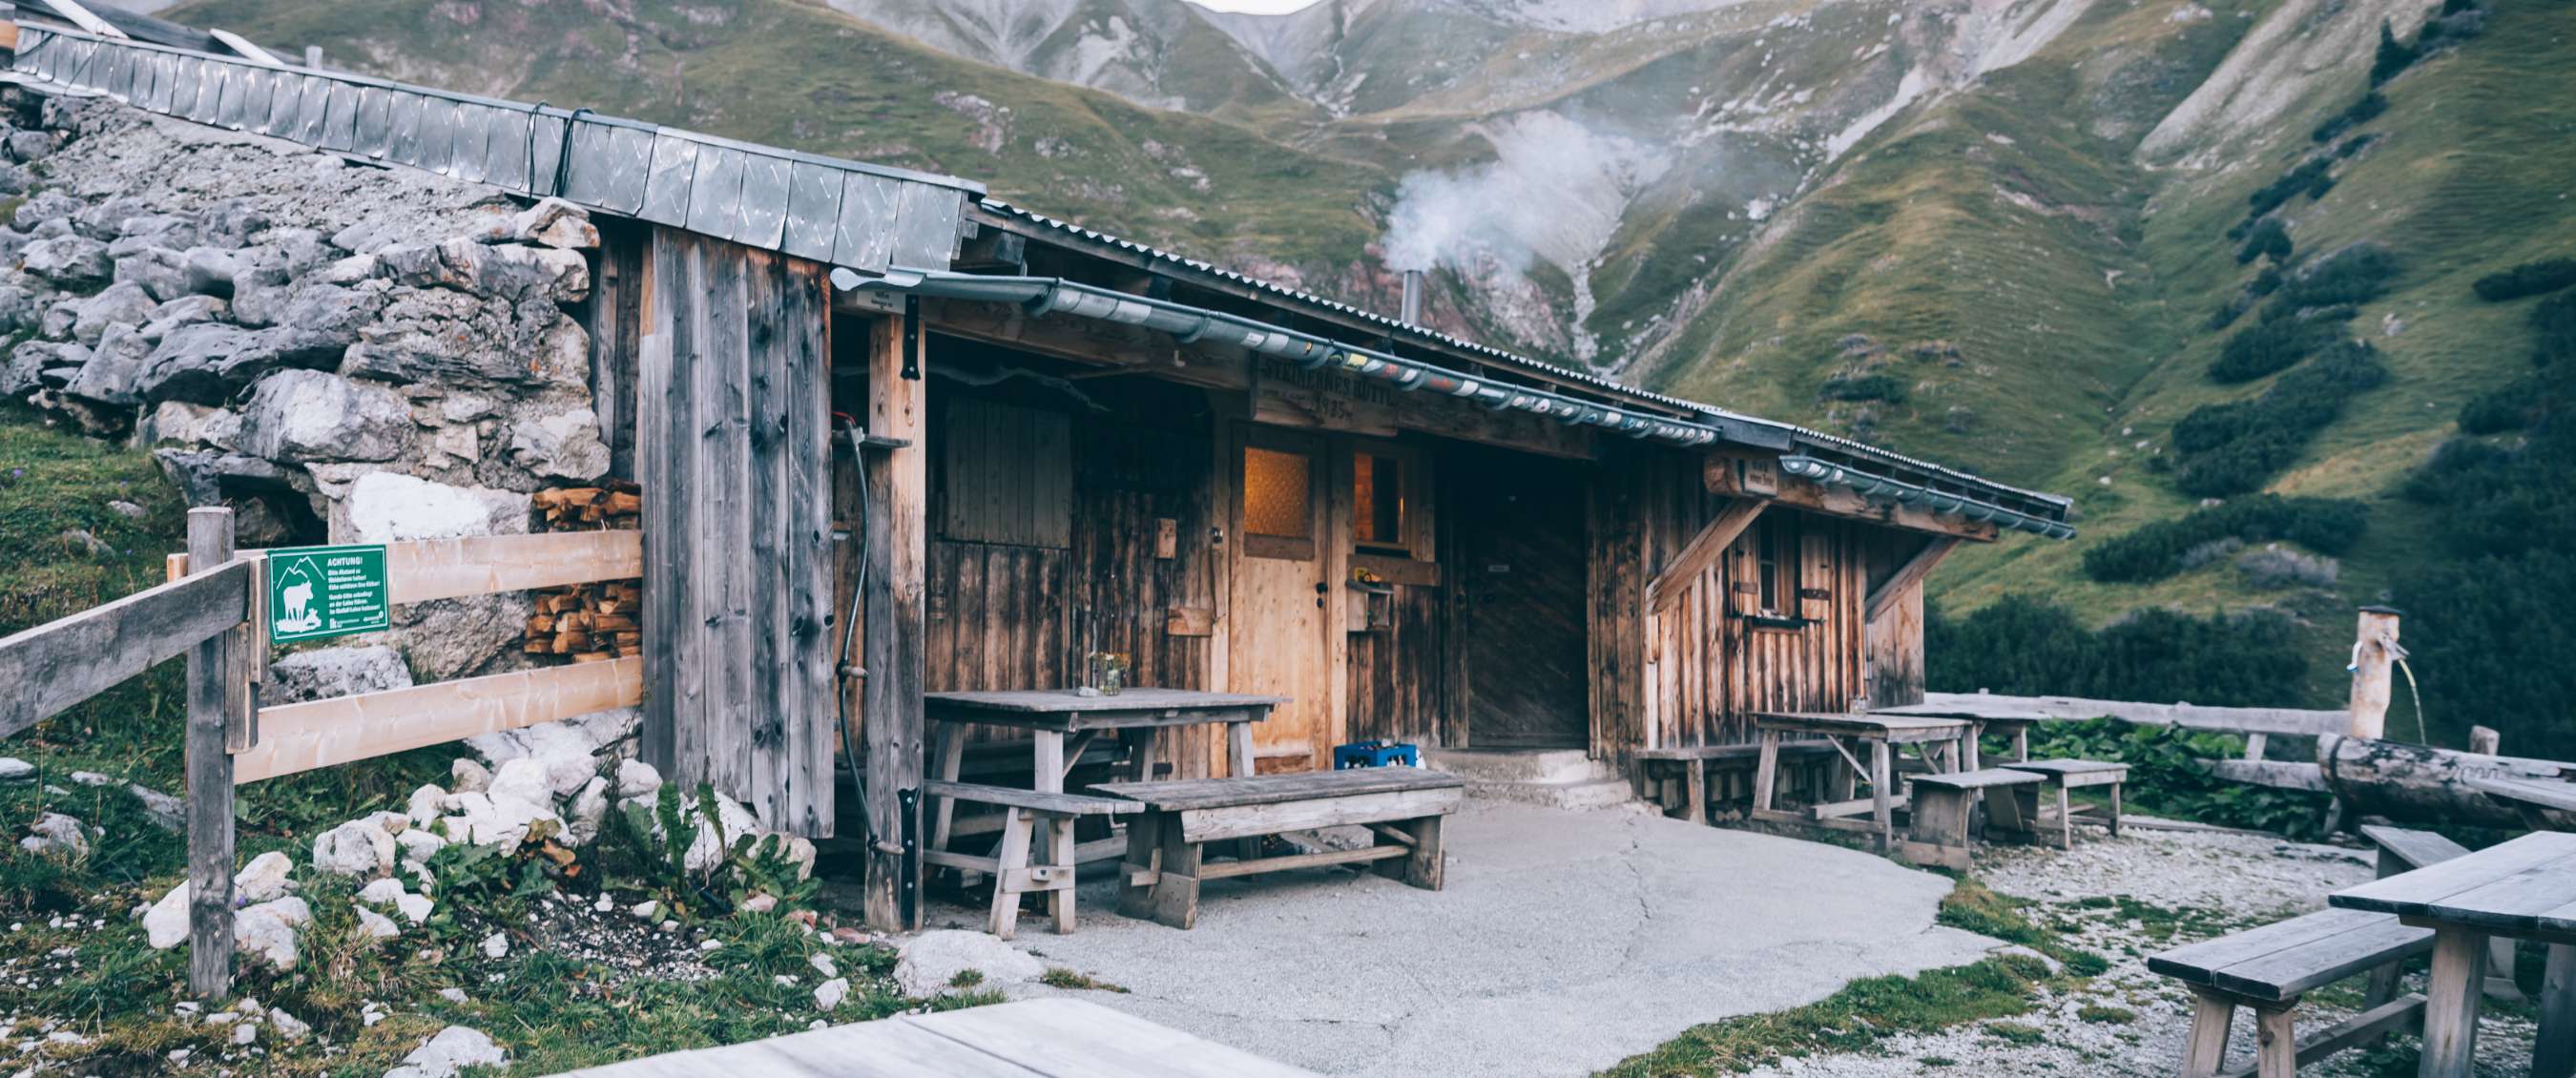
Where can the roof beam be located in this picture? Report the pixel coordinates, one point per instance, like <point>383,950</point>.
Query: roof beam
<point>1703,551</point>
<point>1908,575</point>
<point>1747,475</point>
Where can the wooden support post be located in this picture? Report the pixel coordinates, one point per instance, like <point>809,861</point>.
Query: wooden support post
<point>894,623</point>
<point>2554,1054</point>
<point>2206,1051</point>
<point>2485,741</point>
<point>2451,1002</point>
<point>215,703</point>
<point>2373,653</point>
<point>2276,1042</point>
<point>1882,798</point>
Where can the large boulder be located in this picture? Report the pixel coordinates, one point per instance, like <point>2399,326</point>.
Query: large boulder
<point>449,1053</point>
<point>932,961</point>
<point>209,270</point>
<point>305,415</point>
<point>323,673</point>
<point>388,507</point>
<point>68,262</point>
<point>461,339</point>
<point>564,445</point>
<point>113,368</point>
<point>553,222</point>
<point>207,361</point>
<point>29,361</point>
<point>156,269</point>
<point>42,208</point>
<point>231,222</point>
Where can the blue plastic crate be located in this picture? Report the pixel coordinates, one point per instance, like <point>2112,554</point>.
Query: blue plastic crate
<point>1380,753</point>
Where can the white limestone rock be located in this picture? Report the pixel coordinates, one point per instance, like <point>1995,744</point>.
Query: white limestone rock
<point>267,930</point>
<point>932,961</point>
<point>264,878</point>
<point>449,1053</point>
<point>388,507</point>
<point>357,848</point>
<point>637,779</point>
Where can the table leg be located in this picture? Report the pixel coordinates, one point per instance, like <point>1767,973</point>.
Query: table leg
<point>1060,900</point>
<point>1144,859</point>
<point>1238,749</point>
<point>2065,818</point>
<point>1014,856</point>
<point>1697,810</point>
<point>1882,800</point>
<point>2115,810</point>
<point>1766,770</point>
<point>951,761</point>
<point>1048,766</point>
<point>2021,744</point>
<point>2554,1056</point>
<point>2451,1002</point>
<point>1969,754</point>
<point>1140,752</point>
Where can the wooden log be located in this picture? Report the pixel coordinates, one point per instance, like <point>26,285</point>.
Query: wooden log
<point>2419,783</point>
<point>212,665</point>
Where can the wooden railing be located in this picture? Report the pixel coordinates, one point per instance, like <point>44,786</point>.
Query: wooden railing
<point>213,615</point>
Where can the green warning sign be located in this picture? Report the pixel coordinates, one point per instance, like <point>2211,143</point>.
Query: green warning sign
<point>319,591</point>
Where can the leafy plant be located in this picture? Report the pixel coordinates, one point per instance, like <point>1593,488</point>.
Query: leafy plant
<point>2026,646</point>
<point>2269,347</point>
<point>2236,447</point>
<point>2167,777</point>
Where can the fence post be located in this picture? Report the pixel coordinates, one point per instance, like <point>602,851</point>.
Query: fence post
<point>218,697</point>
<point>2374,650</point>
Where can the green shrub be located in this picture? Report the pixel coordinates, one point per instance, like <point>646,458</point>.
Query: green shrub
<point>2527,279</point>
<point>2356,273</point>
<point>2025,646</point>
<point>2270,347</point>
<point>1864,387</point>
<point>2507,407</point>
<point>2354,115</point>
<point>2269,237</point>
<point>2156,551</point>
<point>2236,447</point>
<point>2308,177</point>
<point>2166,776</point>
<point>2393,56</point>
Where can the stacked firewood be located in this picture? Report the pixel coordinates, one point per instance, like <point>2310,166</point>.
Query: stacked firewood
<point>589,622</point>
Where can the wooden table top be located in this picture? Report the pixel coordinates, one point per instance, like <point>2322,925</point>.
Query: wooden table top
<point>2524,887</point>
<point>1991,716</point>
<point>1271,789</point>
<point>1065,709</point>
<point>1879,726</point>
<point>2544,793</point>
<point>1038,1038</point>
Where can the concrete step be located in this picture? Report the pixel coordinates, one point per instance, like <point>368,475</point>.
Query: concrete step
<point>1558,778</point>
<point>1519,765</point>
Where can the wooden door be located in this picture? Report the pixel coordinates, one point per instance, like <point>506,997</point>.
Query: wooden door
<point>1277,637</point>
<point>1520,617</point>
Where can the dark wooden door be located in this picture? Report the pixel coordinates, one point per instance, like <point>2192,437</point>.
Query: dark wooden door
<point>1520,619</point>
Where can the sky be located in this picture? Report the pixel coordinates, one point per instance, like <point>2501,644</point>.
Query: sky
<point>1258,7</point>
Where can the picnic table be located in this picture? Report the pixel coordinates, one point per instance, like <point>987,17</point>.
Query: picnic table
<point>1051,716</point>
<point>2001,720</point>
<point>2521,889</point>
<point>1038,1038</point>
<point>1947,745</point>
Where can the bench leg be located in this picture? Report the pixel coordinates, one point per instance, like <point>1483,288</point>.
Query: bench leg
<point>1060,900</point>
<point>2065,818</point>
<point>2554,1055</point>
<point>1882,800</point>
<point>1144,856</point>
<point>2206,1051</point>
<point>2451,1002</point>
<point>1697,810</point>
<point>1766,771</point>
<point>1016,826</point>
<point>2276,1046</point>
<point>2115,810</point>
<point>1426,866</point>
<point>1176,889</point>
<point>2383,984</point>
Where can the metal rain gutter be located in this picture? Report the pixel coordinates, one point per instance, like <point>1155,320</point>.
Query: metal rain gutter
<point>1943,502</point>
<point>1190,325</point>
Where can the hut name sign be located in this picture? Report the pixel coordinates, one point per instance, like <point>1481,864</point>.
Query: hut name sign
<point>320,591</point>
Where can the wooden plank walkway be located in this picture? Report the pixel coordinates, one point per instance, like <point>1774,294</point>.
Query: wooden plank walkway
<point>1038,1038</point>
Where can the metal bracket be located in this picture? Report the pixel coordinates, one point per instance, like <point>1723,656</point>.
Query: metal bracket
<point>908,809</point>
<point>912,338</point>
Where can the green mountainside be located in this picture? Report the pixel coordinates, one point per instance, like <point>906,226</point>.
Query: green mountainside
<point>1997,235</point>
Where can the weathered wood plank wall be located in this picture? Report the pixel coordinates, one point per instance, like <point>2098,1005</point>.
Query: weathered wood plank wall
<point>733,446</point>
<point>1097,576</point>
<point>614,316</point>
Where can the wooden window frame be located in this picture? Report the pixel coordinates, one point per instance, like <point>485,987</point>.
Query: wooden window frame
<point>1318,472</point>
<point>1415,559</point>
<point>1782,574</point>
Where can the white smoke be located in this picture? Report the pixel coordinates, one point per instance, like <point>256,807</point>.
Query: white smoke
<point>1555,191</point>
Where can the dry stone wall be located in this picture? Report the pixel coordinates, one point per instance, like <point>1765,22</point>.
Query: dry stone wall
<point>341,352</point>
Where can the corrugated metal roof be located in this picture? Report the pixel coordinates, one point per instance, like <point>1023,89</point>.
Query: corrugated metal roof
<point>1424,336</point>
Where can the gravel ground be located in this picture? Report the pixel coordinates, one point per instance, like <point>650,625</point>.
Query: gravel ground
<point>2181,886</point>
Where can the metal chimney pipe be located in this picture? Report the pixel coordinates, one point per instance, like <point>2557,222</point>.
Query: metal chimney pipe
<point>1412,311</point>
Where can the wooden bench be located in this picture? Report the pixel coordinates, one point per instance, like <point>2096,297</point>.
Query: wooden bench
<point>1401,806</point>
<point>2402,850</point>
<point>1938,828</point>
<point>2065,776</point>
<point>1697,762</point>
<point>2269,968</point>
<point>1012,868</point>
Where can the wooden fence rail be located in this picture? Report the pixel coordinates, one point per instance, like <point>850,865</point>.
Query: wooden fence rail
<point>2288,722</point>
<point>215,617</point>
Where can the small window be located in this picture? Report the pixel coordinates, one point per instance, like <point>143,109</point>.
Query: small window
<point>1278,494</point>
<point>1776,556</point>
<point>1377,496</point>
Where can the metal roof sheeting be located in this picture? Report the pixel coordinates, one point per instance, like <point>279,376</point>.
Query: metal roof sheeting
<point>861,217</point>
<point>2049,505</point>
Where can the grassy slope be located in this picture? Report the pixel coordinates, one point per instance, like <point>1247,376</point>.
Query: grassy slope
<point>789,74</point>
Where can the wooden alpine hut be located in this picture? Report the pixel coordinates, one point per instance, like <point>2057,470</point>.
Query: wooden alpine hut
<point>896,437</point>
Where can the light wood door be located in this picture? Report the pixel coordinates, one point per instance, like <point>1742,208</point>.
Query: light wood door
<point>1278,640</point>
